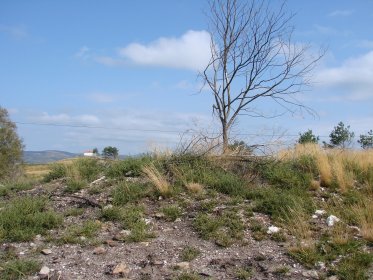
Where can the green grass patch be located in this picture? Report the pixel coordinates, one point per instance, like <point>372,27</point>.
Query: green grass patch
<point>354,266</point>
<point>18,269</point>
<point>126,192</point>
<point>73,186</point>
<point>80,234</point>
<point>23,218</point>
<point>131,218</point>
<point>171,212</point>
<point>224,230</point>
<point>129,167</point>
<point>189,253</point>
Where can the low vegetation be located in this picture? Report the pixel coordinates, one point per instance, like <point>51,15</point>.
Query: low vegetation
<point>221,200</point>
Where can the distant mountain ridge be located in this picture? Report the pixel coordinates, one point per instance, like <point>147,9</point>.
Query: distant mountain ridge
<point>46,156</point>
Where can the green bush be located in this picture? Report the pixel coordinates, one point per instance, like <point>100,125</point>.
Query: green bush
<point>57,171</point>
<point>128,167</point>
<point>129,192</point>
<point>23,218</point>
<point>171,212</point>
<point>278,202</point>
<point>73,186</point>
<point>88,168</point>
<point>288,174</point>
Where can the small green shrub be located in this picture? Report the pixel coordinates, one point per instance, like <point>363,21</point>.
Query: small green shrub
<point>131,218</point>
<point>88,168</point>
<point>74,212</point>
<point>354,266</point>
<point>189,253</point>
<point>57,171</point>
<point>80,234</point>
<point>286,174</point>
<point>73,186</point>
<point>244,273</point>
<point>278,202</point>
<point>129,167</point>
<point>171,212</point>
<point>129,192</point>
<point>224,230</point>
<point>23,218</point>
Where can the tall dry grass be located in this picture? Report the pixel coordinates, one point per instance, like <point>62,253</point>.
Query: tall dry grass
<point>335,166</point>
<point>158,180</point>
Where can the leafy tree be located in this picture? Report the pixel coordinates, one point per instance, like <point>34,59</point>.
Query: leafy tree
<point>341,136</point>
<point>110,152</point>
<point>253,61</point>
<point>308,137</point>
<point>366,141</point>
<point>10,146</point>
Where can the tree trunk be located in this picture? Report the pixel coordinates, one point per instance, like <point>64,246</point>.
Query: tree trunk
<point>225,138</point>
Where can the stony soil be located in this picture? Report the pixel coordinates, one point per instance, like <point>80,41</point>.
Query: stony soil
<point>156,258</point>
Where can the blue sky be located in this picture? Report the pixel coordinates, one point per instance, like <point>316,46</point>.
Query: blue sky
<point>129,69</point>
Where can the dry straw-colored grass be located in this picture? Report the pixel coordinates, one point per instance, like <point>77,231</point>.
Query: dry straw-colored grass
<point>194,187</point>
<point>297,222</point>
<point>158,180</point>
<point>364,216</point>
<point>333,164</point>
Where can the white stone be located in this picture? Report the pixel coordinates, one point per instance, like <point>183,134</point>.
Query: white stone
<point>314,216</point>
<point>98,180</point>
<point>273,229</point>
<point>44,271</point>
<point>46,251</point>
<point>320,212</point>
<point>331,220</point>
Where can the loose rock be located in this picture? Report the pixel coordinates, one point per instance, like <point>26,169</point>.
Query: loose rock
<point>99,250</point>
<point>182,265</point>
<point>46,251</point>
<point>44,272</point>
<point>120,269</point>
<point>331,220</point>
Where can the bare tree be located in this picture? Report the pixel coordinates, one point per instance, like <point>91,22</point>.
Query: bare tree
<point>253,58</point>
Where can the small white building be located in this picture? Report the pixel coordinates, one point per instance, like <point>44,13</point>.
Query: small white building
<point>89,153</point>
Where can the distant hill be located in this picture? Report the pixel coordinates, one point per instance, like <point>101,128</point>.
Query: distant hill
<point>46,156</point>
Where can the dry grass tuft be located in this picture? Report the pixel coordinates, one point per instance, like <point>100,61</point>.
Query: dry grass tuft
<point>334,165</point>
<point>364,216</point>
<point>297,223</point>
<point>158,179</point>
<point>194,187</point>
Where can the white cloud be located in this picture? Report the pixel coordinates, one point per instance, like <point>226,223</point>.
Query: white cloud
<point>342,13</point>
<point>17,32</point>
<point>190,51</point>
<point>83,53</point>
<point>129,130</point>
<point>353,79</point>
<point>65,119</point>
